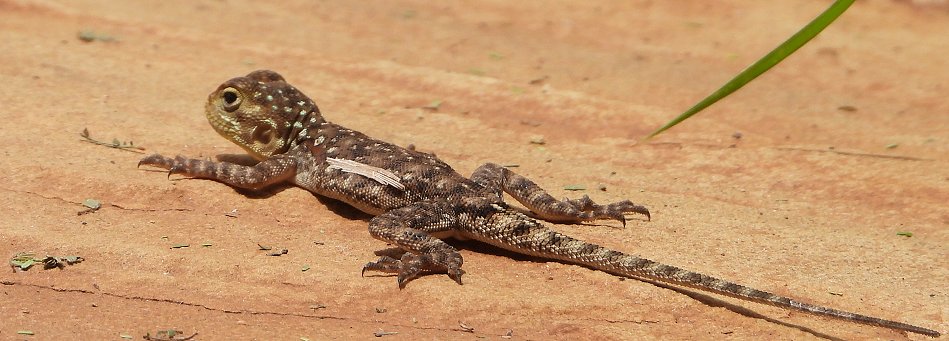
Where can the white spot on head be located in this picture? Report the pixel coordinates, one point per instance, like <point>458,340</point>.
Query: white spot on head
<point>330,149</point>
<point>297,125</point>
<point>257,94</point>
<point>302,112</point>
<point>269,98</point>
<point>274,107</point>
<point>319,139</point>
<point>287,109</point>
<point>301,103</point>
<point>302,133</point>
<point>280,91</point>
<point>312,119</point>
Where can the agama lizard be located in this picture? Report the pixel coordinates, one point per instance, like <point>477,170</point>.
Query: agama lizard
<point>416,199</point>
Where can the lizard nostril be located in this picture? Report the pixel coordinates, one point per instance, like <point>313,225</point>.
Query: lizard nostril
<point>231,99</point>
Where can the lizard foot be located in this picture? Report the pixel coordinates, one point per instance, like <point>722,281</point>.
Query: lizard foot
<point>616,210</point>
<point>412,265</point>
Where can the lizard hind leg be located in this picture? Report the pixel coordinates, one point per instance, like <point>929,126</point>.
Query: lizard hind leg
<point>410,228</point>
<point>499,178</point>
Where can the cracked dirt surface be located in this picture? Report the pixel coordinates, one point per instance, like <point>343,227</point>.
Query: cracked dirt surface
<point>807,203</point>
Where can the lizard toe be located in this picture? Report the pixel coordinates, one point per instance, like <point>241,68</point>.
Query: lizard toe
<point>410,266</point>
<point>455,274</point>
<point>156,160</point>
<point>383,264</point>
<point>626,206</point>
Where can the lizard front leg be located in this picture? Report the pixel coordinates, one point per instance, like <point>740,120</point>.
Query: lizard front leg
<point>410,229</point>
<point>273,170</point>
<point>528,193</point>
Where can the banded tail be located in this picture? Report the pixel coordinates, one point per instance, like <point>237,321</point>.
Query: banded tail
<point>537,240</point>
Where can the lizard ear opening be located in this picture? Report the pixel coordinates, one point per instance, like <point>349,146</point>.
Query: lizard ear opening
<point>232,99</point>
<point>263,135</point>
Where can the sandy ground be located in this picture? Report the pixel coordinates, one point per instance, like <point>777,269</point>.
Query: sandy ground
<point>841,148</point>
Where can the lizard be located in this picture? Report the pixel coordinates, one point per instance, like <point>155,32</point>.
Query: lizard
<point>417,200</point>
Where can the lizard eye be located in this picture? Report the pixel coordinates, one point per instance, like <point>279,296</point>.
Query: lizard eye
<point>232,99</point>
<point>263,135</point>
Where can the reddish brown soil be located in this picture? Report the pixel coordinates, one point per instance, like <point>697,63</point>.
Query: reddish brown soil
<point>807,203</point>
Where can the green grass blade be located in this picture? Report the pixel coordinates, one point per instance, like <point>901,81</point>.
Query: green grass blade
<point>764,64</point>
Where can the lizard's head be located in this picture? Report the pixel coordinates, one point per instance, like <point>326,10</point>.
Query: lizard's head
<point>261,113</point>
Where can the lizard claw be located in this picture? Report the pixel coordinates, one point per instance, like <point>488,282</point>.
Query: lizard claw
<point>411,265</point>
<point>616,210</point>
<point>455,274</point>
<point>641,210</point>
<point>384,264</point>
<point>156,160</point>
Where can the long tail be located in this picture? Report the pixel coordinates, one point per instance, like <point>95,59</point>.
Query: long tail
<point>537,240</point>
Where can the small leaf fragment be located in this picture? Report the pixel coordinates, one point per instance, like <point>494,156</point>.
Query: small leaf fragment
<point>305,268</point>
<point>72,259</point>
<point>382,333</point>
<point>92,204</point>
<point>179,246</point>
<point>434,105</point>
<point>278,253</point>
<point>574,188</point>
<point>892,145</point>
<point>231,214</point>
<point>23,260</point>
<point>905,234</point>
<point>24,332</point>
<point>27,264</point>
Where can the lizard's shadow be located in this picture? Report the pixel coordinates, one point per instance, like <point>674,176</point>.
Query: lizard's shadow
<point>343,209</point>
<point>718,303</point>
<point>708,300</point>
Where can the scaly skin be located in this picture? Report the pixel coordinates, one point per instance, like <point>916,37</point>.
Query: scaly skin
<point>418,199</point>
